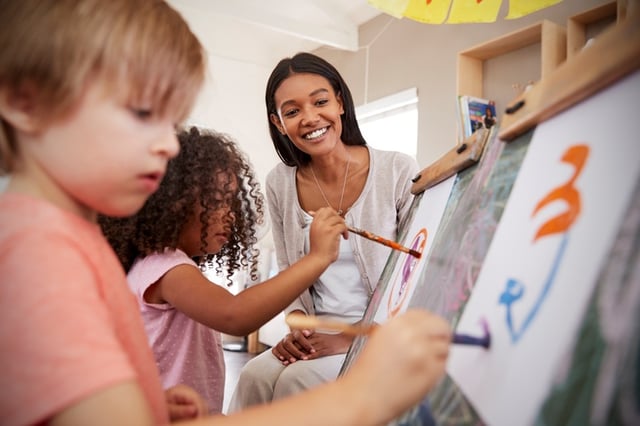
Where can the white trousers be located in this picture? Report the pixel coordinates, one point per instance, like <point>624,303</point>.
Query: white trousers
<point>264,378</point>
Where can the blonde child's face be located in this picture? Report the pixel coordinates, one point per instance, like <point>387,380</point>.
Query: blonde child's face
<point>107,156</point>
<point>220,222</point>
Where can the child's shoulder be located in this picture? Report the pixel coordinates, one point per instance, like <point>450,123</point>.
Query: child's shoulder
<point>25,214</point>
<point>152,267</point>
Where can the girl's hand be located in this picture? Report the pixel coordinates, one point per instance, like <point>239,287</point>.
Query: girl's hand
<point>185,403</point>
<point>325,233</point>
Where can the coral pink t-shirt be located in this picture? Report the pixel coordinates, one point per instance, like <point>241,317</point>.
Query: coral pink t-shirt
<point>186,351</point>
<point>69,325</point>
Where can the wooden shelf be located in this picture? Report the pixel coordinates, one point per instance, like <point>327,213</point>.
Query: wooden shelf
<point>577,25</point>
<point>552,39</point>
<point>614,55</point>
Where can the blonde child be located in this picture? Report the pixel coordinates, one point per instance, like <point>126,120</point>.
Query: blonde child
<point>204,214</point>
<point>90,92</point>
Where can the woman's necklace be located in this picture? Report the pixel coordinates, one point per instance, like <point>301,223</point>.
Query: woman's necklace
<point>344,185</point>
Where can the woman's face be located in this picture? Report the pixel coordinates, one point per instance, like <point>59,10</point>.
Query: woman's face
<point>309,113</point>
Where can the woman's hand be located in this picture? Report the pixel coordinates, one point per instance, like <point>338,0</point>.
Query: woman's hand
<point>294,346</point>
<point>307,344</point>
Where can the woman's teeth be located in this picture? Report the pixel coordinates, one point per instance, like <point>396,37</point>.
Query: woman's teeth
<point>316,133</point>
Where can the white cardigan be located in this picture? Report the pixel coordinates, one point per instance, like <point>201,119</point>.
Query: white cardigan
<point>384,202</point>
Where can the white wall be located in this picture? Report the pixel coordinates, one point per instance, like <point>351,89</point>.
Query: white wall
<point>233,102</point>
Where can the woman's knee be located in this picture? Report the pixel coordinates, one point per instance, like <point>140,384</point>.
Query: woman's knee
<point>263,368</point>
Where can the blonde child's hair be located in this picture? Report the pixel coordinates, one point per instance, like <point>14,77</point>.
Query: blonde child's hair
<point>143,50</point>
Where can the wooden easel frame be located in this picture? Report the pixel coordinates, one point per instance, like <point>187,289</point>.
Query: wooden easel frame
<point>458,158</point>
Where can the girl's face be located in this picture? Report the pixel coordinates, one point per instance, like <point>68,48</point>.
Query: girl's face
<point>220,221</point>
<point>105,156</point>
<point>309,113</point>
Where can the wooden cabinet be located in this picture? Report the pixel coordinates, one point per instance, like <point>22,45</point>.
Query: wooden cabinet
<point>578,25</point>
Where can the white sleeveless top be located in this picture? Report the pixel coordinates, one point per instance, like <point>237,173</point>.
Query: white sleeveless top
<point>339,293</point>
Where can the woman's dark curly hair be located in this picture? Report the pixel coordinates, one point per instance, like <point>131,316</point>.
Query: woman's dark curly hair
<point>191,179</point>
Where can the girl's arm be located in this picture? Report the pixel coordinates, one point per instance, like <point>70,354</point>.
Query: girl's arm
<point>188,290</point>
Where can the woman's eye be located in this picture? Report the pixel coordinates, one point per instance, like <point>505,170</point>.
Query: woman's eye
<point>290,113</point>
<point>322,102</point>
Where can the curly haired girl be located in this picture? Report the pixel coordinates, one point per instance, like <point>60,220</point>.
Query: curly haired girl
<point>205,214</point>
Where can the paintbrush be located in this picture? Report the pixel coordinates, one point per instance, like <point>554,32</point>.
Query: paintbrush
<point>300,321</point>
<point>389,243</point>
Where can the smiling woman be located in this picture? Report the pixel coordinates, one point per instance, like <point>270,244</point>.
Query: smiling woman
<point>326,162</point>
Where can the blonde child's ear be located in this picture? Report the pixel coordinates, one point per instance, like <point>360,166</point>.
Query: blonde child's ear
<point>18,108</point>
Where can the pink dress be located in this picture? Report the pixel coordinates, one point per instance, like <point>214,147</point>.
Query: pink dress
<point>186,351</point>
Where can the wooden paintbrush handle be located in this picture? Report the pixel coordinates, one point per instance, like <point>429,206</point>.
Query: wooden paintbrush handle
<point>300,321</point>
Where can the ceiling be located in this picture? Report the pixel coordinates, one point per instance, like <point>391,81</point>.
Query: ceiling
<point>263,31</point>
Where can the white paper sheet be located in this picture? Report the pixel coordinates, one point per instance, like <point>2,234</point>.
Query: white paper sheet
<point>576,180</point>
<point>419,237</point>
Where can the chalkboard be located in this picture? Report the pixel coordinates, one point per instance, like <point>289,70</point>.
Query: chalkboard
<point>469,220</point>
<point>598,381</point>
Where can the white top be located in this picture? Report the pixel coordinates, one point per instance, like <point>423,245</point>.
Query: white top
<point>381,207</point>
<point>340,292</point>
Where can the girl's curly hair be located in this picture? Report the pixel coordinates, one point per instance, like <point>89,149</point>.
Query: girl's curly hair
<point>191,179</point>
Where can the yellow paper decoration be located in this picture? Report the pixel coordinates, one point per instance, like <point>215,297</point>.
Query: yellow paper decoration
<point>520,8</point>
<point>460,11</point>
<point>394,8</point>
<point>428,11</point>
<point>465,11</point>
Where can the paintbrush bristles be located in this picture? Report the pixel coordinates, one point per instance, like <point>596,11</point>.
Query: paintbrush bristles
<point>415,253</point>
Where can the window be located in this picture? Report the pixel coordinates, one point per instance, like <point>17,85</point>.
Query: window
<point>391,123</point>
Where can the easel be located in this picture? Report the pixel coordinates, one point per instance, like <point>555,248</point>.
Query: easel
<point>614,55</point>
<point>458,158</point>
